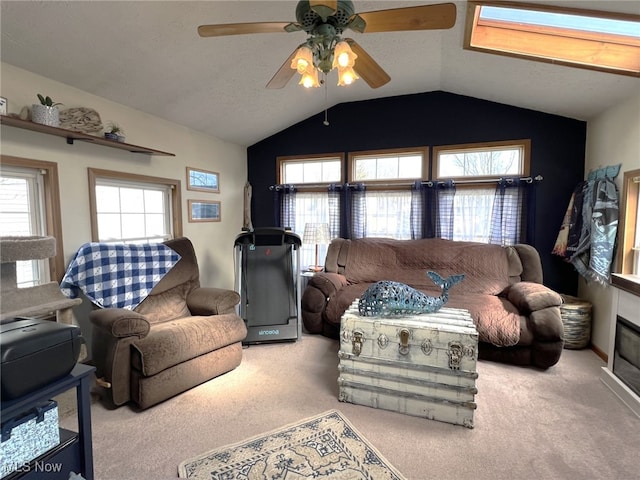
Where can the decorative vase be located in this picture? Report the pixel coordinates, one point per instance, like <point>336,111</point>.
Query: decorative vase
<point>111,136</point>
<point>45,115</point>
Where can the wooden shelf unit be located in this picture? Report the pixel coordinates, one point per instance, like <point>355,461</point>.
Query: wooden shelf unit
<point>72,136</point>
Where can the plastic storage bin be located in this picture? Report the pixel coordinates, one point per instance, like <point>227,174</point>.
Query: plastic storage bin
<point>28,436</point>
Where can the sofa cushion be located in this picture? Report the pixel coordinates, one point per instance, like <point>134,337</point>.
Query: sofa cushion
<point>173,342</point>
<point>341,301</point>
<point>168,305</point>
<point>529,296</point>
<point>497,320</point>
<point>486,267</point>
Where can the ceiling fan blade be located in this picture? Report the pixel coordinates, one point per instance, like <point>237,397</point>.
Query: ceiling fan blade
<point>366,67</point>
<point>284,74</point>
<point>425,17</point>
<point>242,28</point>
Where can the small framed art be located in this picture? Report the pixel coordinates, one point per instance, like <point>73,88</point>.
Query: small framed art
<point>204,211</point>
<point>203,180</point>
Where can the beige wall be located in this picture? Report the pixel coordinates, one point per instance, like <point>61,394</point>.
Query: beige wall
<point>213,241</point>
<point>612,137</point>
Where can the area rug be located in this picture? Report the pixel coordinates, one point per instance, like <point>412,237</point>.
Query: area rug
<point>326,446</point>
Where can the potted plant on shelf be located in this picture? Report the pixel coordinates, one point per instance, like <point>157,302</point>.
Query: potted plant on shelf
<point>46,112</point>
<point>114,132</point>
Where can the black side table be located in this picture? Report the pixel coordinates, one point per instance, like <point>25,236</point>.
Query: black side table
<point>75,451</point>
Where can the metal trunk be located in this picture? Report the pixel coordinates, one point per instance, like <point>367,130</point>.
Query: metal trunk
<point>423,365</point>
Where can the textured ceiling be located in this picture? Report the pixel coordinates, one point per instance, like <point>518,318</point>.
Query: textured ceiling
<point>148,55</point>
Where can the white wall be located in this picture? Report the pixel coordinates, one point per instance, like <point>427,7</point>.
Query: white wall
<point>612,137</point>
<point>213,242</point>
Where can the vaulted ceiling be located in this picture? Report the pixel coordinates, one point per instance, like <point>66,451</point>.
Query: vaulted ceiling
<point>147,55</point>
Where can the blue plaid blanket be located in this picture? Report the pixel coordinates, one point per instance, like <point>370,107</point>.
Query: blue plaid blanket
<point>117,275</point>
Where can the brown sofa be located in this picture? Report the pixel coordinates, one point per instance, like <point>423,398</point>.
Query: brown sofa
<point>181,335</point>
<point>517,317</point>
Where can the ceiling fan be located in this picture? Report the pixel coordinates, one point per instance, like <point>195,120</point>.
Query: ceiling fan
<point>324,21</point>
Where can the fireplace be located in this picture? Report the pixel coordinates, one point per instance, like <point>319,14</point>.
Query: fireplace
<point>622,373</point>
<point>626,354</point>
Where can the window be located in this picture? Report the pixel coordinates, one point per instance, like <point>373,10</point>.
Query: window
<point>396,166</point>
<point>30,205</point>
<point>629,256</point>
<point>133,208</point>
<point>310,170</point>
<point>472,209</point>
<point>388,174</point>
<point>580,38</point>
<point>388,214</point>
<point>312,176</point>
<point>477,194</point>
<point>480,162</point>
<point>474,169</point>
<point>21,204</point>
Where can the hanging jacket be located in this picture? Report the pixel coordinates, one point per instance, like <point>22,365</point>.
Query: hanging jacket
<point>596,248</point>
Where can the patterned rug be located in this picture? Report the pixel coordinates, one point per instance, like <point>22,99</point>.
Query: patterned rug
<point>326,446</point>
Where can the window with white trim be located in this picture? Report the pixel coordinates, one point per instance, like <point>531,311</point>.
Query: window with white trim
<point>132,208</point>
<point>388,214</point>
<point>388,175</point>
<point>311,176</point>
<point>470,162</point>
<point>310,170</point>
<point>629,228</point>
<point>388,166</point>
<point>22,213</point>
<point>475,168</point>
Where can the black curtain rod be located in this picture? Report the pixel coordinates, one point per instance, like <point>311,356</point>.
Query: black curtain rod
<point>428,183</point>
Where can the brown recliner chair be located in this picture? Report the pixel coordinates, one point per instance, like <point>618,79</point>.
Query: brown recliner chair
<point>181,335</point>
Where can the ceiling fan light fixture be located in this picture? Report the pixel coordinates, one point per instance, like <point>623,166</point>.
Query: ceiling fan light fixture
<point>343,56</point>
<point>324,21</point>
<point>303,60</point>
<point>346,76</point>
<point>310,78</point>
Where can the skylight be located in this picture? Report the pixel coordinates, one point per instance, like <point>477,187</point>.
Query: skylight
<point>580,38</point>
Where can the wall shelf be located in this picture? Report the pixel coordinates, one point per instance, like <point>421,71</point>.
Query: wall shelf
<point>72,136</point>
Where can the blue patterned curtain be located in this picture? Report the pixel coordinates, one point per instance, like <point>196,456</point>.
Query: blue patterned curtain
<point>357,208</point>
<point>432,210</point>
<point>441,209</point>
<point>285,206</point>
<point>418,209</point>
<point>334,210</point>
<point>512,212</point>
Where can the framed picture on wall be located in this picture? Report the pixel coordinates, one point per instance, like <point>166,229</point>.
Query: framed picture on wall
<point>203,180</point>
<point>204,211</point>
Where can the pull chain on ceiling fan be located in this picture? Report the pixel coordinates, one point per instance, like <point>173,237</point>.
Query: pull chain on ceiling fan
<point>324,21</point>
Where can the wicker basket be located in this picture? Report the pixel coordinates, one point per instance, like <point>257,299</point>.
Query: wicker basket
<point>576,318</point>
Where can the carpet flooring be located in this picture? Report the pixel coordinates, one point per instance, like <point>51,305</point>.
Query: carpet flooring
<point>561,423</point>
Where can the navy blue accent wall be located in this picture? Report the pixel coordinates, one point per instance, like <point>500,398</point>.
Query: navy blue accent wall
<point>440,118</point>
